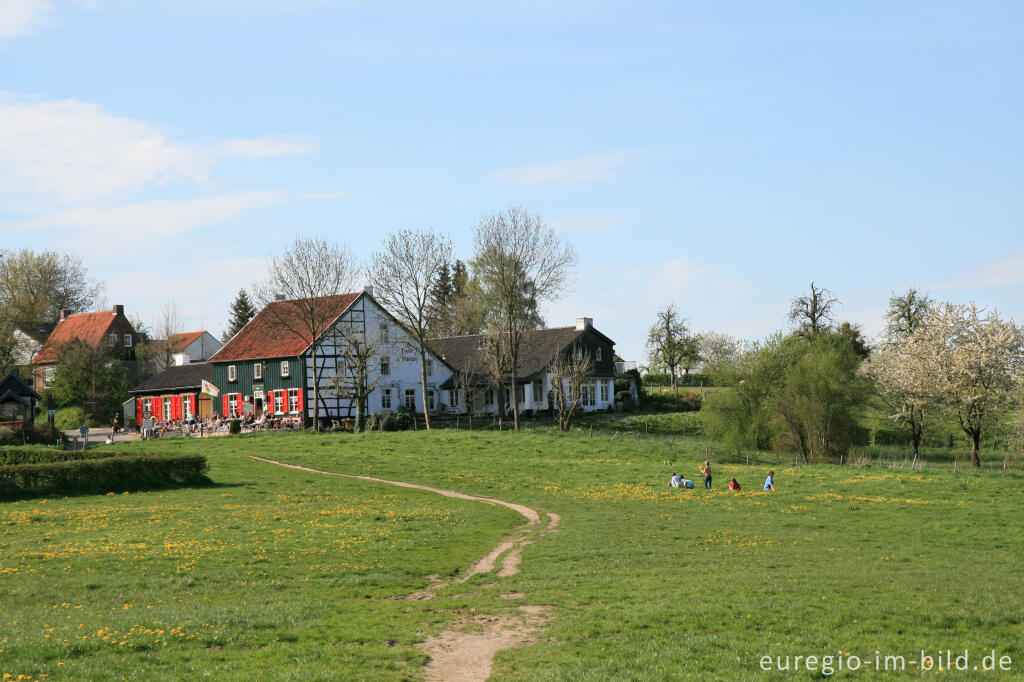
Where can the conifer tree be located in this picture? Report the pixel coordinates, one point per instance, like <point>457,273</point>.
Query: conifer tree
<point>242,310</point>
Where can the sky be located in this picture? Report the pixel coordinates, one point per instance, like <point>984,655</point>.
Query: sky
<point>718,156</point>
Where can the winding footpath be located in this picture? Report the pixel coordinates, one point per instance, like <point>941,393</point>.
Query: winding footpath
<point>457,655</point>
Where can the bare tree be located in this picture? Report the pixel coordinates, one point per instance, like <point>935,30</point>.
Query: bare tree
<point>168,325</point>
<point>403,275</point>
<point>906,313</point>
<point>568,373</point>
<point>669,342</point>
<point>308,277</point>
<point>518,263</point>
<point>812,314</point>
<point>358,371</point>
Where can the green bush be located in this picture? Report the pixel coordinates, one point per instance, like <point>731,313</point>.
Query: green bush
<point>102,473</point>
<point>372,422</point>
<point>400,420</point>
<point>40,434</point>
<point>235,426</point>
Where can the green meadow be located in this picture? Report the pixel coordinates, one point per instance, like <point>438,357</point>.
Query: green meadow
<point>275,573</point>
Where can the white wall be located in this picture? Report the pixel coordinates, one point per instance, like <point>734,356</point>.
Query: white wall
<point>199,350</point>
<point>404,364</point>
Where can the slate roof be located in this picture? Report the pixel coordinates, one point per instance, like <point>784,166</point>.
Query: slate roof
<point>179,342</point>
<point>539,348</point>
<point>17,387</point>
<point>266,337</point>
<point>89,327</point>
<point>38,331</point>
<point>177,377</point>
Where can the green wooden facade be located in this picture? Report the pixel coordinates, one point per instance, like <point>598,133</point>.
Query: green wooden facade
<point>246,383</point>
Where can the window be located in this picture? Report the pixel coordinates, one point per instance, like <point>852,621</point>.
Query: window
<point>186,405</point>
<point>112,339</point>
<point>520,393</point>
<point>167,409</point>
<point>410,398</point>
<point>293,400</point>
<point>604,391</point>
<point>453,397</point>
<point>383,333</point>
<point>385,399</point>
<point>538,391</point>
<point>278,402</point>
<point>385,365</point>
<point>233,404</point>
<point>147,405</point>
<point>127,340</point>
<point>257,370</point>
<point>232,373</point>
<point>49,375</point>
<point>431,400</point>
<point>430,367</point>
<point>257,394</point>
<point>588,395</point>
<point>286,369</point>
<point>489,396</point>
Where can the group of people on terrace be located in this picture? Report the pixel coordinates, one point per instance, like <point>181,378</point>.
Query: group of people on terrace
<point>678,481</point>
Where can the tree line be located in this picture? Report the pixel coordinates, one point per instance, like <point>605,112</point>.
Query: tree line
<point>805,390</point>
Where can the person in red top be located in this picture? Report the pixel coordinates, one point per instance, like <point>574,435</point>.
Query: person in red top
<point>733,485</point>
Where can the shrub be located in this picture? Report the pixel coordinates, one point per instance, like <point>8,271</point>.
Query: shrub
<point>235,426</point>
<point>102,473</point>
<point>400,420</point>
<point>29,435</point>
<point>372,422</point>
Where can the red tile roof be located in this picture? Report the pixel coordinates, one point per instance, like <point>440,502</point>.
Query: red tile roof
<point>179,342</point>
<point>89,327</point>
<point>266,337</point>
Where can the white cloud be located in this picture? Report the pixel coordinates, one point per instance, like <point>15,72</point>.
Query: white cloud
<point>583,169</point>
<point>1003,272</point>
<point>21,17</point>
<point>674,275</point>
<point>70,152</point>
<point>149,221</point>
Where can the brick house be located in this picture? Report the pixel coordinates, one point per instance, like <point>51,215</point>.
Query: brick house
<point>109,330</point>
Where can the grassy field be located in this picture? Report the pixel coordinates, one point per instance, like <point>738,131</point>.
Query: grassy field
<point>293,574</point>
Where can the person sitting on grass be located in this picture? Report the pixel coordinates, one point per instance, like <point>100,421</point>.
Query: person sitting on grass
<point>733,485</point>
<point>687,483</point>
<point>675,481</point>
<point>769,483</point>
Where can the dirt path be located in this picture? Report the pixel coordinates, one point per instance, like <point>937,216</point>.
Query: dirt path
<point>458,654</point>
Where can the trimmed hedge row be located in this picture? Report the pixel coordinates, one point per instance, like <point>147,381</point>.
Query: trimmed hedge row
<point>48,455</point>
<point>107,473</point>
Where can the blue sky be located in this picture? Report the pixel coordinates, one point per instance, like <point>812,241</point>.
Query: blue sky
<point>720,156</point>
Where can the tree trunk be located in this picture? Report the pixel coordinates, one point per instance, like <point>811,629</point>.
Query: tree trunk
<point>976,448</point>
<point>423,385</point>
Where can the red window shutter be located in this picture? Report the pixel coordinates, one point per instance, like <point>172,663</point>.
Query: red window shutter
<point>224,399</point>
<point>139,409</point>
<point>268,406</point>
<point>302,406</point>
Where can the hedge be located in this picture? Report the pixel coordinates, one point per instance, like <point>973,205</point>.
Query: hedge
<point>104,473</point>
<point>46,455</point>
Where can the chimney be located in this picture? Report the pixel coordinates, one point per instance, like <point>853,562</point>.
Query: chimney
<point>368,290</point>
<point>278,297</point>
<point>63,315</point>
<point>584,323</point>
<point>118,310</point>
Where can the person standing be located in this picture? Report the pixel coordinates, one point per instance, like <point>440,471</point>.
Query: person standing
<point>706,470</point>
<point>769,483</point>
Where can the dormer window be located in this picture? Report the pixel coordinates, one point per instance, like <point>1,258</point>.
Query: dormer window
<point>597,354</point>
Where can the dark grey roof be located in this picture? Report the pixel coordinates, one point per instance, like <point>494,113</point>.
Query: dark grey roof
<point>38,331</point>
<point>468,353</point>
<point>177,377</point>
<point>17,386</point>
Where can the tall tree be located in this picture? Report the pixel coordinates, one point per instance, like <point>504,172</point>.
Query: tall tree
<point>403,275</point>
<point>358,372</point>
<point>906,313</point>
<point>969,360</point>
<point>452,312</point>
<point>669,342</point>
<point>307,276</point>
<point>518,263</point>
<point>242,310</point>
<point>35,287</point>
<point>813,313</point>
<point>717,351</point>
<point>169,324</point>
<point>88,372</point>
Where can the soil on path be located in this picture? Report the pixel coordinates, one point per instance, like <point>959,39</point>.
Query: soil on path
<point>457,654</point>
